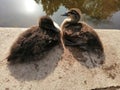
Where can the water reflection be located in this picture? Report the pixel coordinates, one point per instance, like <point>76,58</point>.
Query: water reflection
<point>25,13</point>
<point>99,9</point>
<point>19,13</point>
<point>30,6</point>
<point>98,13</point>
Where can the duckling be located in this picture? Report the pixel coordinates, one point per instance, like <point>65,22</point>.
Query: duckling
<point>77,33</point>
<point>81,39</point>
<point>35,41</point>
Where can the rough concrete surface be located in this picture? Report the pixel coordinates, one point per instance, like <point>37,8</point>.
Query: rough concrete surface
<point>61,71</point>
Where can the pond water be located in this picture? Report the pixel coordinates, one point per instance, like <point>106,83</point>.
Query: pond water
<point>26,13</point>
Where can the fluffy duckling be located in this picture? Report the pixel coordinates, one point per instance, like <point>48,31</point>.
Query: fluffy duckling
<point>35,41</point>
<point>77,33</point>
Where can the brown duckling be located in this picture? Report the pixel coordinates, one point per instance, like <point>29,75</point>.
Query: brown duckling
<point>81,39</point>
<point>35,41</point>
<point>77,33</point>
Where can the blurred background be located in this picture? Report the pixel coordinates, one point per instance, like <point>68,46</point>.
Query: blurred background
<point>100,14</point>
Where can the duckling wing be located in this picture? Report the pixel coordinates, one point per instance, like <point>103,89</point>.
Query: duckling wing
<point>81,34</point>
<point>90,36</point>
<point>72,34</point>
<point>23,46</point>
<point>85,45</point>
<point>30,44</point>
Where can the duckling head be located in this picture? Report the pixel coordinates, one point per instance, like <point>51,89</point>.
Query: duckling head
<point>46,23</point>
<point>74,15</point>
<point>51,28</point>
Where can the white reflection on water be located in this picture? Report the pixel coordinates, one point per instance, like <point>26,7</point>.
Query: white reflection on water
<point>30,6</point>
<point>19,13</point>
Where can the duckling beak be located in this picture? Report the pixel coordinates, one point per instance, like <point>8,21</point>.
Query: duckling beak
<point>65,14</point>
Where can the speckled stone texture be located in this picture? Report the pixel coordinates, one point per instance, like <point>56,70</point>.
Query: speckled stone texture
<point>61,71</point>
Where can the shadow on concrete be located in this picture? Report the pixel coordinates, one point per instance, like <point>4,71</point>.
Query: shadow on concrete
<point>90,59</point>
<point>39,69</point>
<point>108,88</point>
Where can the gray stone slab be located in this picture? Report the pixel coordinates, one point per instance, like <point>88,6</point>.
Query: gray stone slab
<point>56,73</point>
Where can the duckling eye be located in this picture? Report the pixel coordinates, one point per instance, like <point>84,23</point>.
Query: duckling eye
<point>70,12</point>
<point>73,12</point>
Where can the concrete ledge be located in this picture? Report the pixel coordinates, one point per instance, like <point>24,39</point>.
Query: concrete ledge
<point>56,73</point>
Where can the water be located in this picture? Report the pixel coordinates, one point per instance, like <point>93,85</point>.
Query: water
<point>26,13</point>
